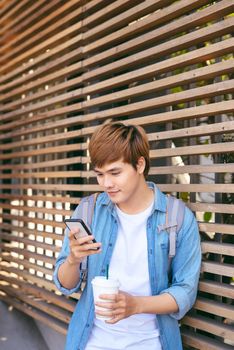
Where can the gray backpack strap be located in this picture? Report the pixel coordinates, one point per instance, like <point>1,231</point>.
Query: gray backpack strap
<point>87,209</point>
<point>175,212</point>
<point>174,221</point>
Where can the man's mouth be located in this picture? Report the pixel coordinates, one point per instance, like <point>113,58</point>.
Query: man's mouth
<point>112,193</point>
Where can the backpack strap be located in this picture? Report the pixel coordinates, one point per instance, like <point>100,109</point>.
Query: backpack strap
<point>173,224</point>
<point>87,205</point>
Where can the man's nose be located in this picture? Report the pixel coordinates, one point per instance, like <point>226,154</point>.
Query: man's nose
<point>107,181</point>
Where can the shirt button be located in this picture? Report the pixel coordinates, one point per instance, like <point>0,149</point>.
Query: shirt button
<point>110,244</point>
<point>87,325</point>
<point>103,270</point>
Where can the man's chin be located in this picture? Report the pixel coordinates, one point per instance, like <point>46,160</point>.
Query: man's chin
<point>114,196</point>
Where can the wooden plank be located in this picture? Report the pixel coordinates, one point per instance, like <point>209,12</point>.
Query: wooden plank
<point>199,341</point>
<point>6,8</point>
<point>8,11</point>
<point>37,233</point>
<point>155,19</point>
<point>28,48</point>
<point>206,188</point>
<point>192,169</point>
<point>41,282</point>
<point>157,85</point>
<point>28,266</point>
<point>47,198</point>
<point>41,293</point>
<point>217,268</point>
<point>216,288</point>
<point>214,227</point>
<point>18,22</point>
<point>191,150</point>
<point>188,113</point>
<point>45,164</point>
<point>217,248</point>
<point>210,129</point>
<point>212,207</point>
<point>29,242</point>
<point>169,13</point>
<point>215,307</point>
<point>27,254</point>
<point>161,33</point>
<point>208,14</point>
<point>37,209</point>
<point>219,188</point>
<point>35,221</point>
<point>210,326</point>
<point>174,169</point>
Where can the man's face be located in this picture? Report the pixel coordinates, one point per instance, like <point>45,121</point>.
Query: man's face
<point>120,181</point>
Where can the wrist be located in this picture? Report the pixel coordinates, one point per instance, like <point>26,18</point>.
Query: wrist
<point>138,303</point>
<point>72,261</point>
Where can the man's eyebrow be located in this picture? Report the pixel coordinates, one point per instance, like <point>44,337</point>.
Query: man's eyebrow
<point>108,171</point>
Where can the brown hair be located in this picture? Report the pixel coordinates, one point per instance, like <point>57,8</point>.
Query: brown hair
<point>114,141</point>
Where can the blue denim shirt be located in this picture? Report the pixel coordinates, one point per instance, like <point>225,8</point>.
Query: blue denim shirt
<point>185,269</point>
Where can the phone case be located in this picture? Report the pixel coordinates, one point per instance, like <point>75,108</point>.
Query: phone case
<point>74,224</point>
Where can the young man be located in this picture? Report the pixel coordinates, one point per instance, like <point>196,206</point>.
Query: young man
<point>146,311</point>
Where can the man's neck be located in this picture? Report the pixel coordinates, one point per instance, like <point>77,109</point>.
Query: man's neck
<point>142,200</point>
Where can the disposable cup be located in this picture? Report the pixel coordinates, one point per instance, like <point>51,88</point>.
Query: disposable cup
<point>101,285</point>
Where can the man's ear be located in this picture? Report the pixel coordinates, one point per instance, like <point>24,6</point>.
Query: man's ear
<point>141,165</point>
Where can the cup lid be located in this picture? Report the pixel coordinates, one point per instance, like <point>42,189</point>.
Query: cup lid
<point>103,281</point>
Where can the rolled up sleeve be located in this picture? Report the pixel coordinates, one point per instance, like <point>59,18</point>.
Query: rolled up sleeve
<point>65,251</point>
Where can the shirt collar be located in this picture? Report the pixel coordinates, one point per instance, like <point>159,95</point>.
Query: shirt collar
<point>159,199</point>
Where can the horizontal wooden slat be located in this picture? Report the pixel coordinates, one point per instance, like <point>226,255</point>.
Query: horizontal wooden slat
<point>47,198</point>
<point>26,219</point>
<point>29,242</point>
<point>210,13</point>
<point>191,169</point>
<point>214,307</point>
<point>165,83</point>
<point>217,268</point>
<point>214,227</point>
<point>199,341</point>
<point>219,188</point>
<point>28,254</point>
<point>40,293</point>
<point>211,326</point>
<point>217,248</point>
<point>41,282</point>
<point>192,94</point>
<point>164,16</point>
<point>211,207</point>
<point>37,233</point>
<point>22,263</point>
<point>221,289</point>
<point>188,113</point>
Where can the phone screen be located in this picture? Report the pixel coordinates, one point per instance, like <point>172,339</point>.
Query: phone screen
<point>74,224</point>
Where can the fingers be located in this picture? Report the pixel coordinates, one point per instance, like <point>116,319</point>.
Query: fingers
<point>82,246</point>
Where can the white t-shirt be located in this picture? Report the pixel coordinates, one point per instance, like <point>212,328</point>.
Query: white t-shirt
<point>129,264</point>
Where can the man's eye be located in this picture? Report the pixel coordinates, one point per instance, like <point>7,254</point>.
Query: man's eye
<point>115,174</point>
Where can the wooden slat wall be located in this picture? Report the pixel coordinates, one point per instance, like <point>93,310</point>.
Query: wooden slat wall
<point>66,67</point>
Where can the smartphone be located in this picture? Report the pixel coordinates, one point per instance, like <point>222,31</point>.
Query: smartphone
<point>73,224</point>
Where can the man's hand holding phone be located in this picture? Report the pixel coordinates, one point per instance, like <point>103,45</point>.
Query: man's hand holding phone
<point>82,242</point>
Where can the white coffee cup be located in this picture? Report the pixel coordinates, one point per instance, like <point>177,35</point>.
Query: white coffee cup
<point>102,285</point>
